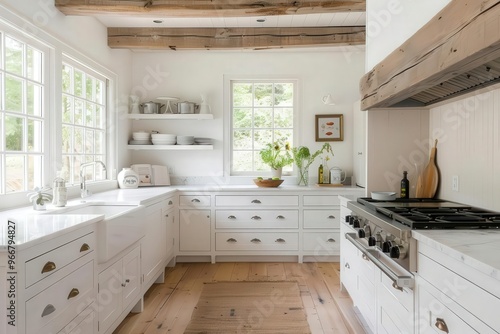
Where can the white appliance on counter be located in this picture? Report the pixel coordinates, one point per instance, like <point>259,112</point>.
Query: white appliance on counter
<point>152,175</point>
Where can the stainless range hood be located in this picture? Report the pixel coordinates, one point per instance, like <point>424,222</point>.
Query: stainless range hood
<point>456,52</point>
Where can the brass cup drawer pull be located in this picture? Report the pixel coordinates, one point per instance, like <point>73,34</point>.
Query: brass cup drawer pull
<point>170,202</point>
<point>441,325</point>
<point>256,218</point>
<point>347,265</point>
<point>73,293</point>
<point>195,200</point>
<point>48,310</point>
<point>331,217</point>
<point>48,267</point>
<point>85,247</point>
<point>397,287</point>
<point>256,241</point>
<point>330,240</point>
<point>256,201</point>
<point>364,257</point>
<point>231,240</point>
<point>280,217</point>
<point>231,217</point>
<point>280,240</point>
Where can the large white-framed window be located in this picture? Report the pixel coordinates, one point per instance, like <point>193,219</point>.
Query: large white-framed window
<point>83,121</point>
<point>261,111</point>
<point>24,116</point>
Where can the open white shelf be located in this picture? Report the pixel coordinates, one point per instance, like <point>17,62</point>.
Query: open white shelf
<point>172,147</point>
<point>171,116</point>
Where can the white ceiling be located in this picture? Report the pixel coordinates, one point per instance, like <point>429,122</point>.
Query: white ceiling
<point>279,21</point>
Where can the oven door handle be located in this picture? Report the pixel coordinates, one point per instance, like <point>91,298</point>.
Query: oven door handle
<point>400,281</point>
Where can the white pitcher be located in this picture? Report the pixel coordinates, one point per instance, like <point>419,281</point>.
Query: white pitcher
<point>337,175</point>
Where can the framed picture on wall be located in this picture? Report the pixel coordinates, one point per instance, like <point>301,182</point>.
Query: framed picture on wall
<point>330,127</point>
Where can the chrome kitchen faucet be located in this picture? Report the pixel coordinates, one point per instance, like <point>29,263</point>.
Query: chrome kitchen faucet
<point>84,192</point>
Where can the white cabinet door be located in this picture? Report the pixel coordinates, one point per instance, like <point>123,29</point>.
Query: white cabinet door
<point>169,218</point>
<point>110,295</point>
<point>119,285</point>
<point>194,230</point>
<point>131,276</point>
<point>154,243</point>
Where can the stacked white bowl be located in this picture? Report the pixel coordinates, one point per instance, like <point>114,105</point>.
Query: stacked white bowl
<point>141,136</point>
<point>185,140</point>
<point>163,139</point>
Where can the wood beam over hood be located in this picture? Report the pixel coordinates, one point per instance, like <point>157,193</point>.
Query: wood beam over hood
<point>457,51</point>
<point>206,8</point>
<point>233,38</point>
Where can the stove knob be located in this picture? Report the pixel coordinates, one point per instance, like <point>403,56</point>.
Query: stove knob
<point>347,218</point>
<point>361,233</point>
<point>399,252</point>
<point>355,223</point>
<point>395,254</point>
<point>351,220</point>
<point>372,241</point>
<point>386,247</point>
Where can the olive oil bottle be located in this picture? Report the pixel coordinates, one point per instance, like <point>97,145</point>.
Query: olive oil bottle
<point>405,186</point>
<point>320,174</point>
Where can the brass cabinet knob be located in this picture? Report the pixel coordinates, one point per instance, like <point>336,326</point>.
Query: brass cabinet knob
<point>73,293</point>
<point>85,247</point>
<point>49,266</point>
<point>48,310</point>
<point>441,325</point>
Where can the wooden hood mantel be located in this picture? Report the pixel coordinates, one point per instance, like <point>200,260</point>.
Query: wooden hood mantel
<point>456,52</point>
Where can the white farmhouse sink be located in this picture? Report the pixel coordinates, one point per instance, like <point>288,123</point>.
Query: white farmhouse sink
<point>120,228</point>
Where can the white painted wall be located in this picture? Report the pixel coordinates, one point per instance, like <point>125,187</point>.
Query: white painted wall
<point>187,74</point>
<point>389,23</point>
<point>397,141</point>
<point>470,148</point>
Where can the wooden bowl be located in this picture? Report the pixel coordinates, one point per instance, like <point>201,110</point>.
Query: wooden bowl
<point>268,183</point>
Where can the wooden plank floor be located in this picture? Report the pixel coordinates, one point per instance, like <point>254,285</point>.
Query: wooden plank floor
<point>168,306</point>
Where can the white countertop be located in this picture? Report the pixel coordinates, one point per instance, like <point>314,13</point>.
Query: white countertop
<point>30,229</point>
<point>478,249</point>
<point>37,226</point>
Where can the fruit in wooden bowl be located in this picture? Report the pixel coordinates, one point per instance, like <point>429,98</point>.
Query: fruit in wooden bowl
<point>269,183</point>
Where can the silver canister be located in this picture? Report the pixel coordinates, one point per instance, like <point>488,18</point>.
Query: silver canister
<point>60,197</point>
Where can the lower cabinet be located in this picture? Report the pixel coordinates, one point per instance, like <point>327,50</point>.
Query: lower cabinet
<point>453,297</point>
<point>119,286</point>
<point>153,244</point>
<point>168,213</point>
<point>256,241</point>
<point>194,230</point>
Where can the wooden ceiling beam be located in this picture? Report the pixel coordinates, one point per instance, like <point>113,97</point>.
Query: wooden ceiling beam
<point>206,8</point>
<point>233,38</point>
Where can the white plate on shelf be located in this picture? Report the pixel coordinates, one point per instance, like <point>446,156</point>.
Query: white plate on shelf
<point>167,98</point>
<point>383,195</point>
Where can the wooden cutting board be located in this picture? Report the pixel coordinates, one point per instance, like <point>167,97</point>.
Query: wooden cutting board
<point>428,181</point>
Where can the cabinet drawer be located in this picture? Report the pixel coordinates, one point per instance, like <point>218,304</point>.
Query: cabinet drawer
<point>256,241</point>
<point>328,218</point>
<point>257,200</point>
<point>432,311</point>
<point>69,296</point>
<point>83,324</point>
<point>322,242</point>
<point>46,264</point>
<point>321,200</point>
<point>256,219</point>
<point>194,200</point>
<point>465,293</point>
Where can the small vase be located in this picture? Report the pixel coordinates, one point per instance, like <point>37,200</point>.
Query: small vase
<point>276,172</point>
<point>39,207</point>
<point>303,176</point>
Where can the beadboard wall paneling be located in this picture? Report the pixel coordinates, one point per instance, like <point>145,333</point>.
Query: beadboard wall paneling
<point>469,148</point>
<point>397,141</point>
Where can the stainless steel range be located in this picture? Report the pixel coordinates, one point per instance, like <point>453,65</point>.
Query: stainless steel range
<point>384,230</point>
